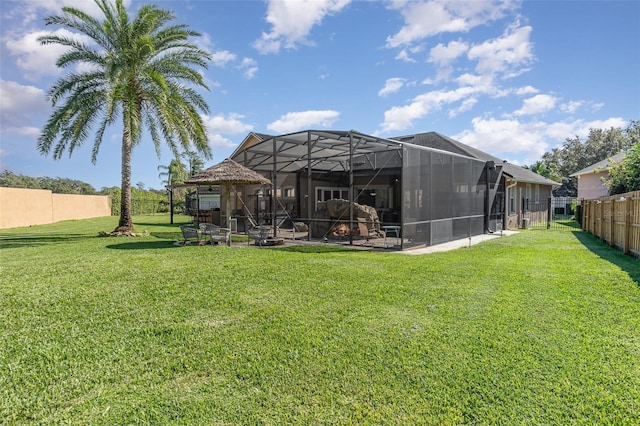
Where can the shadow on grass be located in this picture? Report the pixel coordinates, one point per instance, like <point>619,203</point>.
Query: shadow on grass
<point>167,235</point>
<point>143,245</point>
<point>627,263</point>
<point>33,240</point>
<point>174,225</point>
<point>317,249</point>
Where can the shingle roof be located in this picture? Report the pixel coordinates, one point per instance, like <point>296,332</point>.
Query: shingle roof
<point>601,165</point>
<point>438,141</point>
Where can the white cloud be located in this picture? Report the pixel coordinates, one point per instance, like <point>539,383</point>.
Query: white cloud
<point>465,106</point>
<point>29,9</point>
<point>220,125</point>
<point>295,121</point>
<point>222,57</point>
<point>229,124</point>
<point>392,85</point>
<point>19,103</point>
<point>204,42</point>
<point>501,137</point>
<point>527,139</point>
<point>526,90</point>
<point>402,117</point>
<point>219,141</point>
<point>249,67</point>
<point>537,104</point>
<point>428,18</point>
<point>582,127</point>
<point>403,55</point>
<point>292,20</point>
<point>444,55</point>
<point>509,54</point>
<point>571,106</point>
<point>38,60</point>
<point>29,131</point>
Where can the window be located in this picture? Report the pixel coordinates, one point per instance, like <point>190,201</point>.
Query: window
<point>324,193</point>
<point>289,192</point>
<point>512,201</point>
<point>537,194</point>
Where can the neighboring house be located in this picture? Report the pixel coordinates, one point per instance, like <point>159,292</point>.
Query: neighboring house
<point>433,187</point>
<point>591,179</point>
<point>250,140</point>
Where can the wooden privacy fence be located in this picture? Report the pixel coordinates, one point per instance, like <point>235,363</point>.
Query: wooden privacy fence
<point>616,220</point>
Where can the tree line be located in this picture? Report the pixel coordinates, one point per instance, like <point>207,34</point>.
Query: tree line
<point>576,154</point>
<point>144,201</point>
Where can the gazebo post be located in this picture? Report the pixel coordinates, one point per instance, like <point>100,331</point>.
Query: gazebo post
<point>227,187</point>
<point>227,173</point>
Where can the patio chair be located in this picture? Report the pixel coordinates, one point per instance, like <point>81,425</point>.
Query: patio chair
<point>220,235</point>
<point>259,234</point>
<point>190,233</point>
<point>206,228</point>
<point>213,232</point>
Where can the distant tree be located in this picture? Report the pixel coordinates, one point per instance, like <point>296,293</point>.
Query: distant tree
<point>66,186</point>
<point>56,185</point>
<point>139,69</point>
<point>625,176</point>
<point>174,173</point>
<point>9,179</point>
<point>543,169</point>
<point>196,164</point>
<point>599,145</point>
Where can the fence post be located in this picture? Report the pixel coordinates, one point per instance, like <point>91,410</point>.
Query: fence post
<point>612,224</point>
<point>627,225</point>
<point>549,213</point>
<point>601,232</point>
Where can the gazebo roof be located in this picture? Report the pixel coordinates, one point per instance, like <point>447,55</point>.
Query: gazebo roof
<point>227,172</point>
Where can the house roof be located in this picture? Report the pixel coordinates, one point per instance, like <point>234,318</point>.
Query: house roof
<point>329,150</point>
<point>601,165</point>
<point>251,139</point>
<point>438,141</point>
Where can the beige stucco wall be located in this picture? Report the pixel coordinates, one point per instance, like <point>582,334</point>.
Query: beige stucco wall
<point>72,206</point>
<point>26,207</point>
<point>590,185</point>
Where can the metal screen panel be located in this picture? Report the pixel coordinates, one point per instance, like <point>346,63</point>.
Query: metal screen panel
<point>443,196</point>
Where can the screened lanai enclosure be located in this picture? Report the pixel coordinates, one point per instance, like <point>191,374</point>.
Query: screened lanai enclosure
<point>348,187</point>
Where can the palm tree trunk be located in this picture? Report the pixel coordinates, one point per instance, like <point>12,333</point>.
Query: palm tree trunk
<point>126,222</point>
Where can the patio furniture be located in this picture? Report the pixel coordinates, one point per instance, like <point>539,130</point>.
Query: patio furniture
<point>206,228</point>
<point>395,229</point>
<point>260,234</point>
<point>216,234</point>
<point>220,235</point>
<point>189,233</point>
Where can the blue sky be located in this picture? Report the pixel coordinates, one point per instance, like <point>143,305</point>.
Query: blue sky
<point>513,78</point>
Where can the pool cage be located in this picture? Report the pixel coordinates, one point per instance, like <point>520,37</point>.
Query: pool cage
<point>350,188</point>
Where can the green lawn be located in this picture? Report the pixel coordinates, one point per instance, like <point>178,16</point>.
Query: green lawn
<point>538,328</point>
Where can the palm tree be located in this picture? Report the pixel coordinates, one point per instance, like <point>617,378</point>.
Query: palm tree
<point>172,174</point>
<point>140,69</point>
